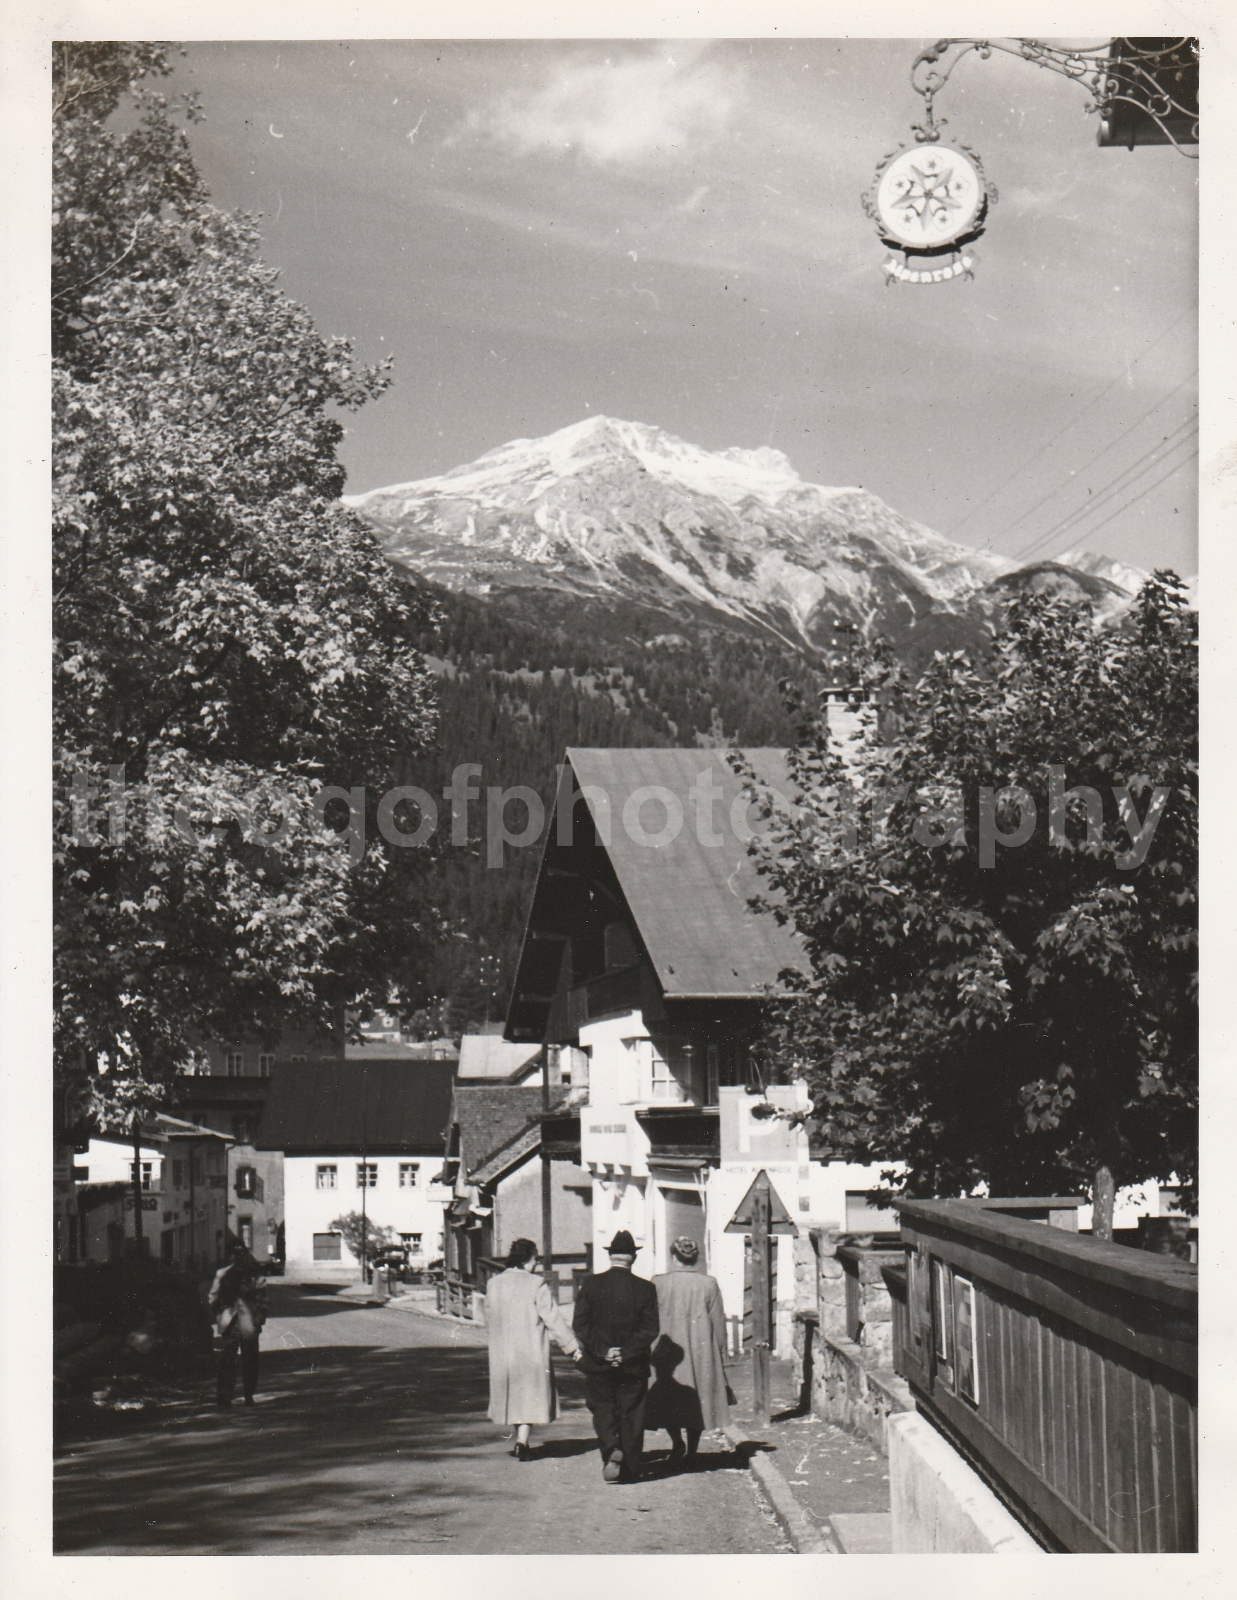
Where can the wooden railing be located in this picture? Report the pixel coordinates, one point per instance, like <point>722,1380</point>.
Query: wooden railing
<point>1064,1368</point>
<point>455,1297</point>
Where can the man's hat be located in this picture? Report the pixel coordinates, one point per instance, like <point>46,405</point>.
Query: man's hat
<point>622,1244</point>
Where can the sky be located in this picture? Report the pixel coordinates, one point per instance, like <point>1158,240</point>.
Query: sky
<point>671,233</point>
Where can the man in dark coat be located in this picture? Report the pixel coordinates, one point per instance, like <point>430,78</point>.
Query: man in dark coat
<point>616,1323</point>
<point>238,1301</point>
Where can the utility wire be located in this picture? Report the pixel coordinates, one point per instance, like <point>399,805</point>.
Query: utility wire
<point>1111,445</point>
<point>1143,493</point>
<point>1031,459</point>
<point>1114,486</point>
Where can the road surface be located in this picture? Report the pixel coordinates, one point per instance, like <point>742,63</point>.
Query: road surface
<point>370,1438</point>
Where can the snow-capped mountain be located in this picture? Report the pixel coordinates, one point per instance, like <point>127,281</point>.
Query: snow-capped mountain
<point>1131,579</point>
<point>611,511</point>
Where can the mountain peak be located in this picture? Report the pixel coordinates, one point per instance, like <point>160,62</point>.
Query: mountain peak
<point>613,510</point>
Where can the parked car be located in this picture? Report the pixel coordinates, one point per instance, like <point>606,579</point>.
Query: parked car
<point>395,1258</point>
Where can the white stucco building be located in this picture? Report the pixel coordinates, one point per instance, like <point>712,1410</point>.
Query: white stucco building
<point>358,1136</point>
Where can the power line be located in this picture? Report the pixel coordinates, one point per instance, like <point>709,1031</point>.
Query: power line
<point>1031,459</point>
<point>1111,445</point>
<point>1114,486</point>
<point>1143,493</point>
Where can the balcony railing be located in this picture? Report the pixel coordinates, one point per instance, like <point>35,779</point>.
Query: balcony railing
<point>1064,1368</point>
<point>560,1134</point>
<point>678,1133</point>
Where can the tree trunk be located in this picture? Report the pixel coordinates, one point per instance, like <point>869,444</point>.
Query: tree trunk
<point>1103,1196</point>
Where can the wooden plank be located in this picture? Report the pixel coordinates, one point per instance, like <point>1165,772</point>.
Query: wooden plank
<point>991,1377</point>
<point>1052,1415</point>
<point>1134,1324</point>
<point>1162,1488</point>
<point>1019,1330</point>
<point>1160,1278</point>
<point>1096,1429</point>
<point>1185,1472</point>
<point>1122,1459</point>
<point>1071,1479</point>
<point>1024,1487</point>
<point>1144,1455</point>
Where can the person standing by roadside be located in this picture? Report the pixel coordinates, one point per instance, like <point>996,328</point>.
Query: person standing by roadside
<point>238,1300</point>
<point>689,1392</point>
<point>616,1322</point>
<point>522,1316</point>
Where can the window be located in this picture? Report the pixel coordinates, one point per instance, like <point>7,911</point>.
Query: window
<point>234,1061</point>
<point>198,1169</point>
<point>146,1172</point>
<point>663,1082</point>
<point>328,1177</point>
<point>244,1231</point>
<point>942,1306</point>
<point>296,1058</point>
<point>412,1240</point>
<point>620,947</point>
<point>326,1245</point>
<point>712,1074</point>
<point>965,1365</point>
<point>178,1174</point>
<point>264,1065</point>
<point>408,1174</point>
<point>367,1174</point>
<point>245,1186</point>
<point>242,1127</point>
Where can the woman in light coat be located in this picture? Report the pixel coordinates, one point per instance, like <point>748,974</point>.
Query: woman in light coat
<point>689,1392</point>
<point>522,1317</point>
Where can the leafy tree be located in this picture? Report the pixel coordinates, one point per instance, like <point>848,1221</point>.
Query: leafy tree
<point>1017,1014</point>
<point>363,1236</point>
<point>229,643</point>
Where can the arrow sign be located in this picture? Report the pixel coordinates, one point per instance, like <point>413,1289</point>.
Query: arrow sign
<point>779,1219</point>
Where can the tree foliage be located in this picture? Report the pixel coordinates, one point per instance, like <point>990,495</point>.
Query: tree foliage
<point>363,1236</point>
<point>228,640</point>
<point>1029,1024</point>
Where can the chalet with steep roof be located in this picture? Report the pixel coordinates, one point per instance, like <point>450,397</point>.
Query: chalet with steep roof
<point>643,950</point>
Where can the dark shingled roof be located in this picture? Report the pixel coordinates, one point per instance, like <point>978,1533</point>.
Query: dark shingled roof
<point>489,1117</point>
<point>690,898</point>
<point>389,1107</point>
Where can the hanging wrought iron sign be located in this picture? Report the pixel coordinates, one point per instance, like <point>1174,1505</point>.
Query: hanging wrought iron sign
<point>929,201</point>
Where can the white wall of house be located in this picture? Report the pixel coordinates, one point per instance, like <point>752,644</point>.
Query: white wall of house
<point>111,1161</point>
<point>312,1202</point>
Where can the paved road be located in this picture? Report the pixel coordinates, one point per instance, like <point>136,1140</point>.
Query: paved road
<point>370,1438</point>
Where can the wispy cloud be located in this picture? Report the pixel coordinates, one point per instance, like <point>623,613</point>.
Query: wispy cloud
<point>628,109</point>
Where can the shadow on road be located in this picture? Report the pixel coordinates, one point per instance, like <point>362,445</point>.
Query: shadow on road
<point>306,1462</point>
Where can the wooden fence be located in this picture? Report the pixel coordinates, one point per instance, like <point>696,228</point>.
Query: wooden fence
<point>1064,1368</point>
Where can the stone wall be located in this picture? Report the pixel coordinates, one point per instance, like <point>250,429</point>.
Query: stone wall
<point>848,1382</point>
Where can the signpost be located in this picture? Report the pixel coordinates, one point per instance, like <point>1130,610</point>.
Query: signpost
<point>760,1215</point>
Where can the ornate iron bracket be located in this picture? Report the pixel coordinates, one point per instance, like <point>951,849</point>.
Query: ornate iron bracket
<point>1144,91</point>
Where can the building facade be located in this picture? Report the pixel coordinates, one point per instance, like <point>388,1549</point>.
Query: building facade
<point>184,1216</point>
<point>358,1138</point>
<point>643,952</point>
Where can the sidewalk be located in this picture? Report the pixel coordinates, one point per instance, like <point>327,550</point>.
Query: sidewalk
<point>828,1472</point>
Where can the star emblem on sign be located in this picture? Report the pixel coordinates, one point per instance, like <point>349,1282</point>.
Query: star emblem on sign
<point>923,200</point>
<point>927,196</point>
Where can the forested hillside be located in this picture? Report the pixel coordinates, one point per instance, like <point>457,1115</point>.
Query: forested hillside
<point>513,696</point>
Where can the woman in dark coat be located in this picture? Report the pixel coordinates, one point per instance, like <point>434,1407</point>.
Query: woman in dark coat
<point>689,1391</point>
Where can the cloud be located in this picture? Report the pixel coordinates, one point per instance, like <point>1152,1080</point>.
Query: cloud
<point>626,110</point>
